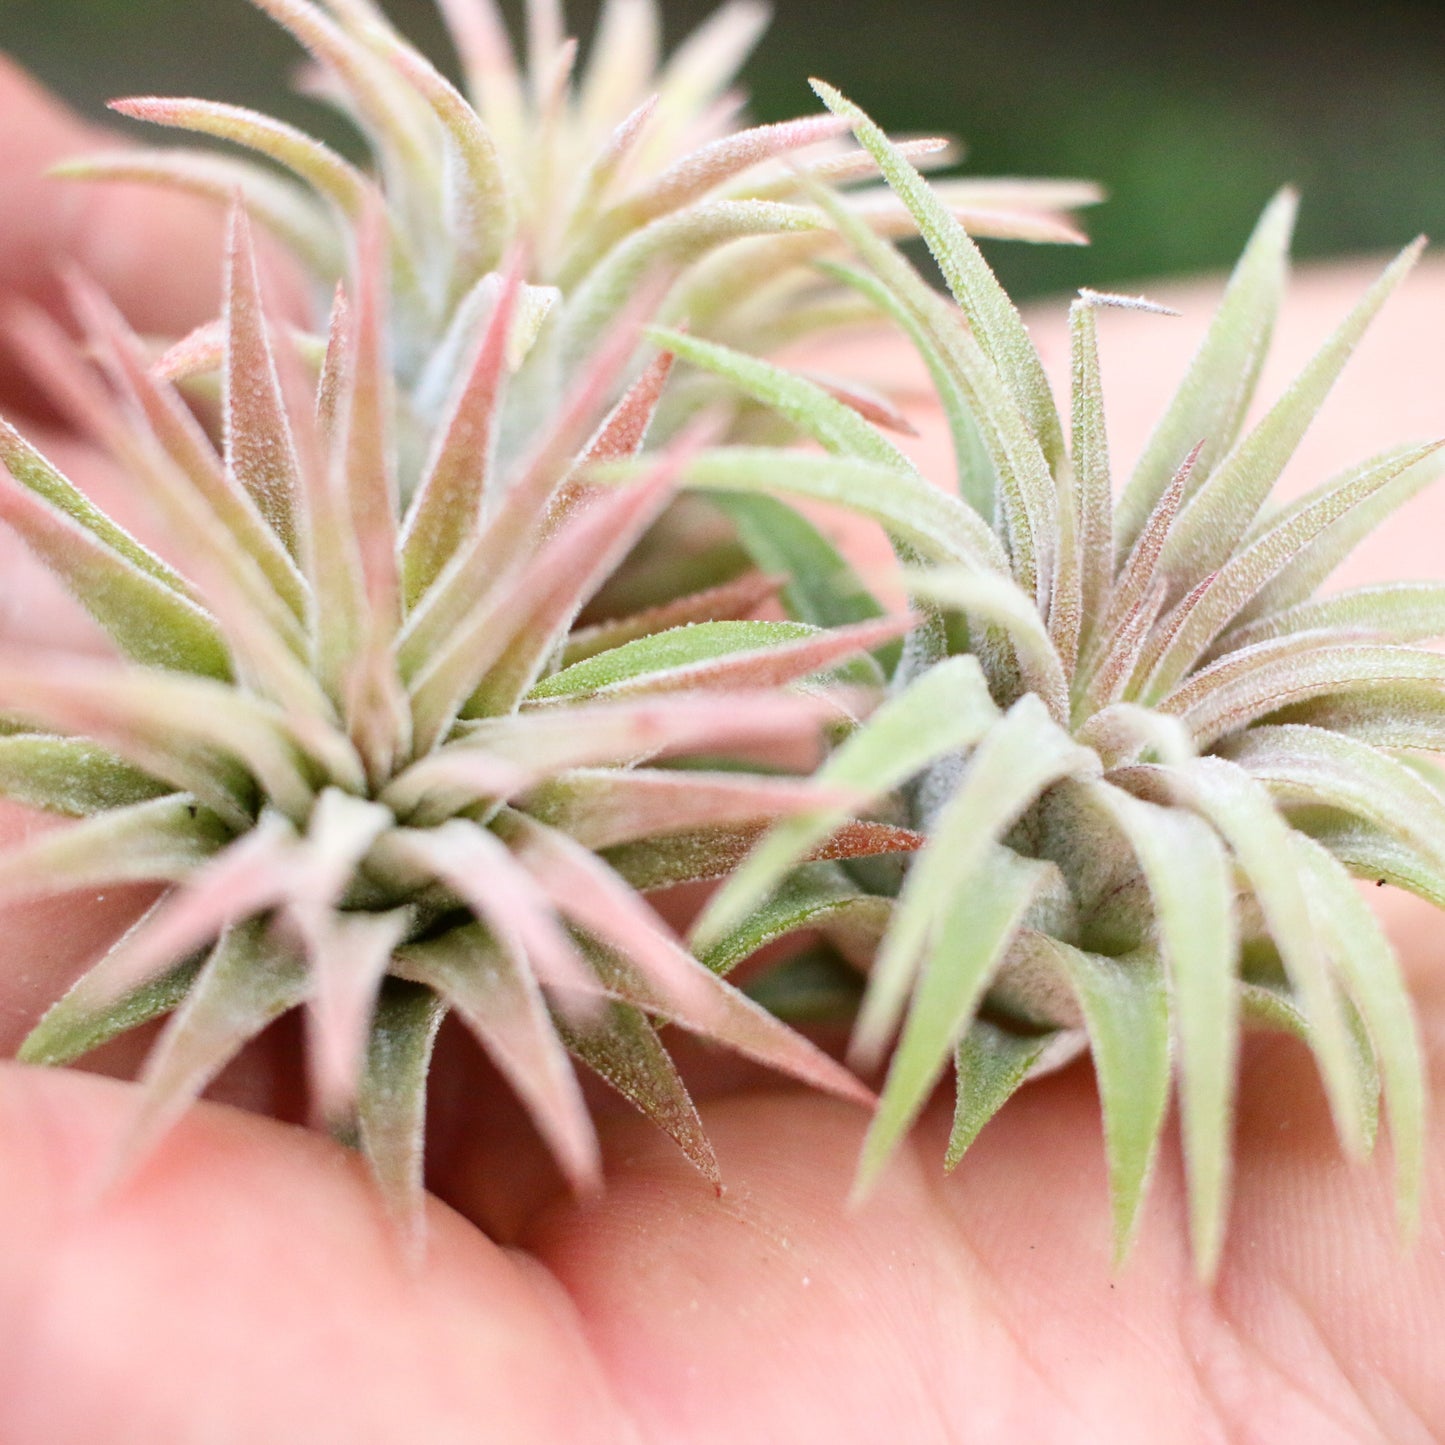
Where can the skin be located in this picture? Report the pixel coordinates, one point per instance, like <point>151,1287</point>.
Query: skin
<point>242,1285</point>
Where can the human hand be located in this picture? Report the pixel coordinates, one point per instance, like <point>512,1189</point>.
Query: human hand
<point>244,1286</point>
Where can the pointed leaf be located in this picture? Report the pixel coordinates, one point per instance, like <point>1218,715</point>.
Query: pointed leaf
<point>1240,809</point>
<point>147,613</point>
<point>1189,880</point>
<point>998,602</point>
<point>260,453</point>
<point>1298,581</point>
<point>1393,612</point>
<point>1253,567</point>
<point>1223,508</point>
<point>1021,755</point>
<point>910,510</point>
<point>159,841</point>
<point>946,710</point>
<point>991,1064</point>
<point>315,163</point>
<point>393,1097</point>
<point>991,314</point>
<point>661,976</point>
<point>349,954</point>
<point>248,981</point>
<point>971,936</point>
<point>716,654</point>
<point>70,775</point>
<point>1093,485</point>
<point>730,602</point>
<point>816,897</point>
<point>626,1051</point>
<point>1216,391</point>
<point>498,999</point>
<point>70,1028</point>
<point>1364,958</point>
<point>1126,1009</point>
<point>1268,678</point>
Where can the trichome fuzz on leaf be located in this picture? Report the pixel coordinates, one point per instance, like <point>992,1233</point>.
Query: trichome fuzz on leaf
<point>449,678</point>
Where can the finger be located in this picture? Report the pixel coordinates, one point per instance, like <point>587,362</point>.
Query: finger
<point>982,1306</point>
<point>245,1286</point>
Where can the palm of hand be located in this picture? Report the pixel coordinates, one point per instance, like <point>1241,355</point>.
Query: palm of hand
<point>244,1285</point>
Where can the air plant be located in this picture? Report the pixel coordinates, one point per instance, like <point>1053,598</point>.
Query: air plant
<point>1108,791</point>
<point>1148,758</point>
<point>360,737</point>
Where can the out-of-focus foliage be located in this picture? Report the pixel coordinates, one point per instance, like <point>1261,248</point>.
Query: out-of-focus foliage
<point>1191,116</point>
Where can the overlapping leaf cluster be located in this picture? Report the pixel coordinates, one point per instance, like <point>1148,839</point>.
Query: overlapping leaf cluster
<point>596,181</point>
<point>1147,756</point>
<point>384,772</point>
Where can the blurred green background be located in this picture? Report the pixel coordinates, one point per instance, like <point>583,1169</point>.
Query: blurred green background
<point>1190,116</point>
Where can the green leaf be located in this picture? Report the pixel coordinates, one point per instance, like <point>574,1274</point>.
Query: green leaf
<point>392,1098</point>
<point>1393,611</point>
<point>711,651</point>
<point>70,775</point>
<point>1298,581</point>
<point>1190,881</point>
<point>1372,853</point>
<point>664,651</point>
<point>317,164</point>
<point>817,896</point>
<point>1312,686</point>
<point>991,1063</point>
<point>1126,1011</point>
<point>136,599</point>
<point>1216,391</point>
<point>822,588</point>
<point>909,509</point>
<point>1250,570</point>
<point>834,426</point>
<point>972,935</point>
<point>625,1050</point>
<point>248,981</point>
<point>1239,809</point>
<point>1225,505</point>
<point>158,841</point>
<point>1027,491</point>
<point>676,240</point>
<point>72,1026</point>
<point>1093,487</point>
<point>1308,766</point>
<point>948,708</point>
<point>999,602</point>
<point>1363,956</point>
<point>1022,755</point>
<point>990,313</point>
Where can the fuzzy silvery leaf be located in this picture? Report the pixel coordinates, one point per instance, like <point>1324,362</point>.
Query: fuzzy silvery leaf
<point>1176,723</point>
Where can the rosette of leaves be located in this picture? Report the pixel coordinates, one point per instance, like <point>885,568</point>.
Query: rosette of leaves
<point>1149,758</point>
<point>600,181</point>
<point>377,771</point>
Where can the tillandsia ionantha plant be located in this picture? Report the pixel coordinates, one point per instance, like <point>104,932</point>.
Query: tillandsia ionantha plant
<point>358,733</point>
<point>1122,769</point>
<point>1148,759</point>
